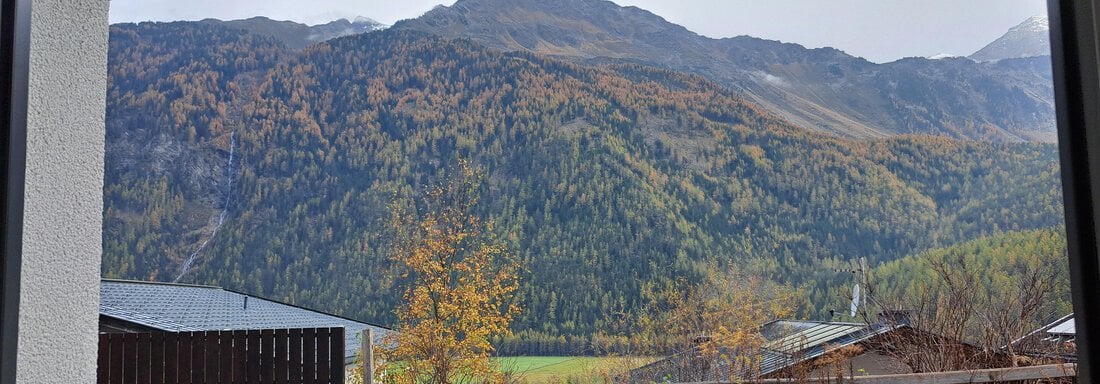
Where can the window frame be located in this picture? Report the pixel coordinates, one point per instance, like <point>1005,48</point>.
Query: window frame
<point>15,18</point>
<point>1073,36</point>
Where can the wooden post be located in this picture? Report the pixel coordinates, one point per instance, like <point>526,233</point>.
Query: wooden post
<point>368,356</point>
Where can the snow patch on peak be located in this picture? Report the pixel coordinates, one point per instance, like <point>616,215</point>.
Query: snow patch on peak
<point>366,20</point>
<point>373,24</point>
<point>943,56</point>
<point>1033,24</point>
<point>1028,39</point>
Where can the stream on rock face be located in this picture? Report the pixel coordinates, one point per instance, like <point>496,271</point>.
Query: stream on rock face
<point>186,265</point>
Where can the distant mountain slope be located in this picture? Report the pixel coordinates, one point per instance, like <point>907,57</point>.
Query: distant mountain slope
<point>298,36</point>
<point>1028,39</point>
<point>603,180</point>
<point>824,89</point>
<point>994,264</point>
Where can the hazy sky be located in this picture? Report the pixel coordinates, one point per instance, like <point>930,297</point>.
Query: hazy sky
<point>878,30</point>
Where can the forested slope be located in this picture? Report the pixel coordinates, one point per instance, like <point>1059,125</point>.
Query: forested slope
<point>602,179</point>
<point>995,270</point>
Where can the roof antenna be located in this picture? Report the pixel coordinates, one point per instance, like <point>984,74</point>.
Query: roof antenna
<point>859,272</point>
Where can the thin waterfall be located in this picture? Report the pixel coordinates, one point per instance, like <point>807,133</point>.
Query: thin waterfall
<point>186,266</point>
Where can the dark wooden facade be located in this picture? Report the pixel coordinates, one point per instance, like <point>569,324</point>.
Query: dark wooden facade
<point>307,355</point>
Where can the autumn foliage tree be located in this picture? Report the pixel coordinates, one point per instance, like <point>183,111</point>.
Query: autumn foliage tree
<point>720,317</point>
<point>460,286</point>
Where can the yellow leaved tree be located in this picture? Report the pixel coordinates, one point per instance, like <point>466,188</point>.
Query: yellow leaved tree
<point>720,317</point>
<point>461,281</point>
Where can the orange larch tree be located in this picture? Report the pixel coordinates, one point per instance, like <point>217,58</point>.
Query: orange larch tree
<point>461,282</point>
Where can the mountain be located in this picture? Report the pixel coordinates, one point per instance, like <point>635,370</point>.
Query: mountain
<point>824,89</point>
<point>298,36</point>
<point>235,160</point>
<point>1028,39</point>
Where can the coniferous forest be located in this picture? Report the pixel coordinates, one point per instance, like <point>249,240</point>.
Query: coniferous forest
<point>236,161</point>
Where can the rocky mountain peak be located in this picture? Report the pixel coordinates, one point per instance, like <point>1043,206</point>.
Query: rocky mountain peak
<point>1028,39</point>
<point>1038,23</point>
<point>573,28</point>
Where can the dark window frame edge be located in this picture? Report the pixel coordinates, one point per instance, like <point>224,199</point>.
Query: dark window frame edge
<point>14,69</point>
<point>1073,37</point>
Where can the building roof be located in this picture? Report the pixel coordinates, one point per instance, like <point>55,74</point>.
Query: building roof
<point>1057,340</point>
<point>787,342</point>
<point>1064,329</point>
<point>181,307</point>
<point>790,342</point>
<point>1064,326</point>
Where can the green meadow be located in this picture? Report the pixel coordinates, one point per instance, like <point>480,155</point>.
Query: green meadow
<point>568,369</point>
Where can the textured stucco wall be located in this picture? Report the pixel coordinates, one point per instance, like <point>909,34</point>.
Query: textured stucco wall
<point>59,288</point>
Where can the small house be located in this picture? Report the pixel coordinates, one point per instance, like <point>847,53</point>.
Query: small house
<point>136,306</point>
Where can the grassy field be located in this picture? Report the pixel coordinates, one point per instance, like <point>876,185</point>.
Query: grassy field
<point>561,369</point>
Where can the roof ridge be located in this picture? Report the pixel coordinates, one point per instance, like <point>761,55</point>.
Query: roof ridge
<point>102,279</point>
<point>256,297</point>
<point>151,321</point>
<point>309,309</point>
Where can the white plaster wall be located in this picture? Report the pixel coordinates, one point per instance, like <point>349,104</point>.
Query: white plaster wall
<point>59,288</point>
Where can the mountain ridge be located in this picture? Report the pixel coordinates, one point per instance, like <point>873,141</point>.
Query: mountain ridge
<point>299,35</point>
<point>822,89</point>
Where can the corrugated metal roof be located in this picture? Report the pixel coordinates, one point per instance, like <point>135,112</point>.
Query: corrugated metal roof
<point>811,337</point>
<point>778,329</point>
<point>804,340</point>
<point>179,307</point>
<point>1054,340</point>
<point>1066,327</point>
<point>788,342</point>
